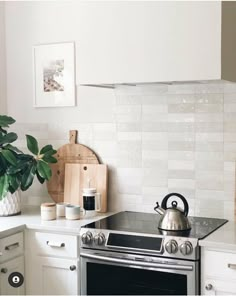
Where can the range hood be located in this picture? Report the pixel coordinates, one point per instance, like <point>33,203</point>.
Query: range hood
<point>150,42</point>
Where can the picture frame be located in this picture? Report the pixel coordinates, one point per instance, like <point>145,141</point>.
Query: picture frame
<point>54,75</point>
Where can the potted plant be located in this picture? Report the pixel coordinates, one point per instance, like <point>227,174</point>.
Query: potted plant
<point>18,169</point>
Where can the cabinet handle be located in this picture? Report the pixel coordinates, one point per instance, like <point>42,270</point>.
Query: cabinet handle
<point>4,270</point>
<point>208,287</point>
<point>72,267</point>
<point>55,244</point>
<point>0,253</point>
<point>12,246</point>
<point>232,266</point>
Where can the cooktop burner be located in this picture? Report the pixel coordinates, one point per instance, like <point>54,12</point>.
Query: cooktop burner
<point>148,223</point>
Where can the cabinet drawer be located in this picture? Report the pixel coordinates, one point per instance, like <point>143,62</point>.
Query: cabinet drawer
<point>55,244</point>
<point>11,246</point>
<point>220,264</point>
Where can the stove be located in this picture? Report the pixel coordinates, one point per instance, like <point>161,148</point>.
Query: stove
<point>138,232</point>
<point>129,243</point>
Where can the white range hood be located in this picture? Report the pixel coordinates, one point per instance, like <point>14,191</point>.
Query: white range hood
<point>132,42</point>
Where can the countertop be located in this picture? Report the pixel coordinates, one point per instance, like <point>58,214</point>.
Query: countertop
<point>222,238</point>
<point>30,218</point>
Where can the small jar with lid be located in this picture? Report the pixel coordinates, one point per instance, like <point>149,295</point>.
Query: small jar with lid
<point>48,211</point>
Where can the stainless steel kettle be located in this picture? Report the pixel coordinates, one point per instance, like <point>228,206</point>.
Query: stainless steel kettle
<point>173,218</point>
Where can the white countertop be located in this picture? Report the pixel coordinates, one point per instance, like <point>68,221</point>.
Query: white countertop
<point>30,218</point>
<point>222,238</point>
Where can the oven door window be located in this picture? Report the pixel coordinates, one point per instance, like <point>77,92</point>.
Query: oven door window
<point>104,279</point>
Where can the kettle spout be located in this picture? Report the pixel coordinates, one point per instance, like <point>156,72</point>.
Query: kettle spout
<point>159,210</point>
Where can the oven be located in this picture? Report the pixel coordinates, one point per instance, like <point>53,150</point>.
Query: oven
<point>122,273</point>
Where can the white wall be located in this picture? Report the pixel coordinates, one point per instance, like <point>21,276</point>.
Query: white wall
<point>2,60</point>
<point>155,139</point>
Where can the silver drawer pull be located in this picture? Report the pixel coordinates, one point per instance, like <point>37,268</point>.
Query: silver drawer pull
<point>232,266</point>
<point>12,246</point>
<point>55,244</point>
<point>4,270</point>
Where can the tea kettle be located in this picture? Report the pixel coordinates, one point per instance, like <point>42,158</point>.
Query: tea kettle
<point>173,218</point>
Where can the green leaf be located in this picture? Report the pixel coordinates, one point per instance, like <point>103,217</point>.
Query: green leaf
<point>3,165</point>
<point>4,185</point>
<point>14,183</point>
<point>9,156</point>
<point>44,170</point>
<point>49,159</point>
<point>5,121</point>
<point>46,149</point>
<point>12,148</point>
<point>20,166</point>
<point>41,180</point>
<point>28,176</point>
<point>32,144</point>
<point>8,138</point>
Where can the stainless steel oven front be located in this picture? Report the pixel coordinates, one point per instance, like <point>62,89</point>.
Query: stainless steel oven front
<point>120,273</point>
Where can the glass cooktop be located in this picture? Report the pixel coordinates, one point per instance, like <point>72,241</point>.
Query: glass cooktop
<point>148,223</point>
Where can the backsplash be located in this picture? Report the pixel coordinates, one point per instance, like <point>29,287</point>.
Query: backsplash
<point>155,139</point>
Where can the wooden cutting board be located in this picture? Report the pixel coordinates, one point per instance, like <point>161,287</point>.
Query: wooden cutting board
<point>79,176</point>
<point>69,153</point>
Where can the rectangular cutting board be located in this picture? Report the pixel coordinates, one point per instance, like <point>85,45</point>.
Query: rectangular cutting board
<point>79,176</point>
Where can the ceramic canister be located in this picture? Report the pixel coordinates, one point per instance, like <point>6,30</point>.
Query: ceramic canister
<point>61,209</point>
<point>48,211</point>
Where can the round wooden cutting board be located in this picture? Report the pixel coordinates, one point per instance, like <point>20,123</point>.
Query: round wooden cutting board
<point>69,153</point>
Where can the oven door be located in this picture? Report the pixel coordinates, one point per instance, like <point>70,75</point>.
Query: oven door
<point>114,273</point>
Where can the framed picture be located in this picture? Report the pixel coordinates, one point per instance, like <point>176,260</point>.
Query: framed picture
<point>54,75</point>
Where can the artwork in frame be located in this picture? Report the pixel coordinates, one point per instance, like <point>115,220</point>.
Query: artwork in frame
<point>54,75</point>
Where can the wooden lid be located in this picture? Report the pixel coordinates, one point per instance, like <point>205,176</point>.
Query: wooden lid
<point>48,204</point>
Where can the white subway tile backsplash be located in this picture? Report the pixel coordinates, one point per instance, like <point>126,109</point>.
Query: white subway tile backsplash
<point>209,98</point>
<point>154,100</point>
<point>129,127</point>
<point>181,164</point>
<point>159,127</point>
<point>181,183</point>
<point>209,108</point>
<point>181,155</point>
<point>228,108</point>
<point>178,117</point>
<point>181,108</point>
<point>209,117</point>
<point>181,174</point>
<point>155,139</point>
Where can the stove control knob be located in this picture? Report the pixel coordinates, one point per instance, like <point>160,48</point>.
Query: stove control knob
<point>186,248</point>
<point>99,239</point>
<point>171,246</point>
<point>87,238</point>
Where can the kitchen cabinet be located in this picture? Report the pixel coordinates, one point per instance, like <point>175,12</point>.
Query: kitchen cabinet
<point>51,263</point>
<point>218,272</point>
<point>11,260</point>
<point>56,276</point>
<point>156,41</point>
<point>14,265</point>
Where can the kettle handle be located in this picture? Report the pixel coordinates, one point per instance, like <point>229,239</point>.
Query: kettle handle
<point>164,202</point>
<point>156,207</point>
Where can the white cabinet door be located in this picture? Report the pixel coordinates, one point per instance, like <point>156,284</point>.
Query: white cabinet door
<point>56,276</point>
<point>14,265</point>
<point>219,287</point>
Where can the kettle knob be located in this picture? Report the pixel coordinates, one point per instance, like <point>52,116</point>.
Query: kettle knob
<point>164,202</point>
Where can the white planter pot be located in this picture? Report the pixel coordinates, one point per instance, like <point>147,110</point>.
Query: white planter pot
<point>10,205</point>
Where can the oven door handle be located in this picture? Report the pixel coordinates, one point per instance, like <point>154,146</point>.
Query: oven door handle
<point>138,263</point>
